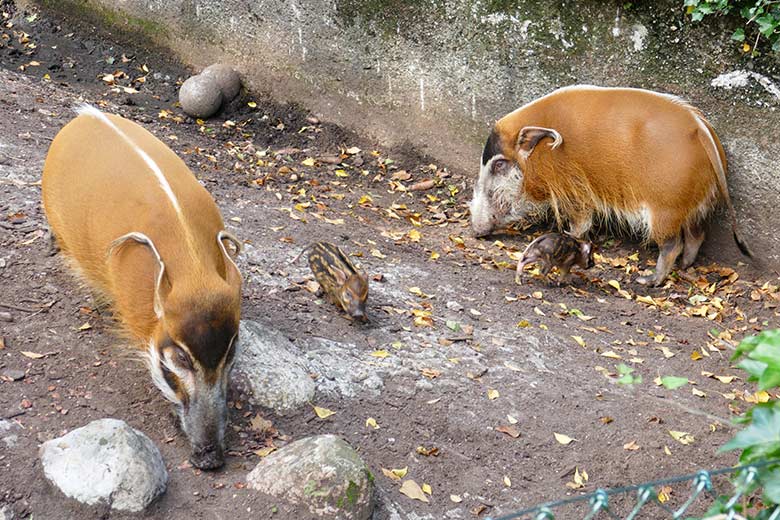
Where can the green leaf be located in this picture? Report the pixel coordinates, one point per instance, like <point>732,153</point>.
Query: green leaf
<point>453,325</point>
<point>762,436</point>
<point>752,367</point>
<point>769,379</point>
<point>767,351</point>
<point>672,382</point>
<point>739,35</point>
<point>771,482</point>
<point>745,347</point>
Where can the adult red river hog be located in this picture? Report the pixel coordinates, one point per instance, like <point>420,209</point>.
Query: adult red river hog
<point>645,160</point>
<point>148,238</point>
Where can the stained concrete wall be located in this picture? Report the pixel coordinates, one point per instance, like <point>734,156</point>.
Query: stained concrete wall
<point>437,73</point>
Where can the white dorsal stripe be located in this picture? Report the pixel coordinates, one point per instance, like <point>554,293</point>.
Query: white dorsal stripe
<point>89,110</point>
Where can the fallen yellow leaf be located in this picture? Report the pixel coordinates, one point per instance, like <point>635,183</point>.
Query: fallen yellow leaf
<point>492,394</point>
<point>413,490</point>
<point>682,437</point>
<point>323,413</point>
<point>563,439</point>
<point>579,340</point>
<point>263,452</point>
<point>395,474</point>
<point>371,423</point>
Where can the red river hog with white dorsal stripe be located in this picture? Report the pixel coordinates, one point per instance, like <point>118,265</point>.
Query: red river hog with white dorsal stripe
<point>646,160</point>
<point>145,235</point>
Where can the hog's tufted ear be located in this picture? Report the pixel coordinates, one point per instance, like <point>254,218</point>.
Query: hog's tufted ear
<point>530,136</point>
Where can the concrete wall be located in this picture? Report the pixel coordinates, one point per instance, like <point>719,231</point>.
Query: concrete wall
<point>437,73</point>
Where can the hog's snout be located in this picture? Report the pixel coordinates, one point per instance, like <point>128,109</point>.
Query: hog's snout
<point>208,457</point>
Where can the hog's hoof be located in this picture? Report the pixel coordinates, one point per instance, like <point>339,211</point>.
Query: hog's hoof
<point>652,281</point>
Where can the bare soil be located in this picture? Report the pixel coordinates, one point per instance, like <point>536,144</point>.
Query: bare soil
<point>542,355</point>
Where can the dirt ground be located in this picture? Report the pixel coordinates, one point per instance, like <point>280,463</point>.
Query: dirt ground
<point>491,369</point>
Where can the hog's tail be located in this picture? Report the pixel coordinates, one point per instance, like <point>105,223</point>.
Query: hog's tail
<point>707,139</point>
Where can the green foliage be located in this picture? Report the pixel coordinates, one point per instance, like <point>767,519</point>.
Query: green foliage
<point>672,382</point>
<point>762,19</point>
<point>626,376</point>
<point>760,439</point>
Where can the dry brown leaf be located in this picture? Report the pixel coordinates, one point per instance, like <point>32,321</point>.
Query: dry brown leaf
<point>512,431</point>
<point>631,446</point>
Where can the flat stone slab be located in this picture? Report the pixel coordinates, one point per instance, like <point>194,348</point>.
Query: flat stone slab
<point>322,473</point>
<point>106,461</point>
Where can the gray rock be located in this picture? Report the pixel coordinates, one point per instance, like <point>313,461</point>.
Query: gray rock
<point>322,473</point>
<point>341,368</point>
<point>8,433</point>
<point>454,306</point>
<point>14,375</point>
<point>106,461</point>
<point>269,370</point>
<point>200,96</point>
<point>6,513</point>
<point>227,79</point>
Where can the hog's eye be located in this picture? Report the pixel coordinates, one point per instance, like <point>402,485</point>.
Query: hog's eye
<point>181,358</point>
<point>499,167</point>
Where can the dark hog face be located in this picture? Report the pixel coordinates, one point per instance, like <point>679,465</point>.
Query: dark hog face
<point>354,294</point>
<point>497,200</point>
<point>191,366</point>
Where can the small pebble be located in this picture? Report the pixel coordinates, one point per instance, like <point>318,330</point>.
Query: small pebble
<point>454,306</point>
<point>13,375</point>
<point>6,316</point>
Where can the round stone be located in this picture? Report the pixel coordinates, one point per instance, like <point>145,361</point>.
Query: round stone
<point>200,96</point>
<point>322,474</point>
<point>106,461</point>
<point>226,77</point>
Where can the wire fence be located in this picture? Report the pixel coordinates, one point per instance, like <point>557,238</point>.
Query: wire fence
<point>618,504</point>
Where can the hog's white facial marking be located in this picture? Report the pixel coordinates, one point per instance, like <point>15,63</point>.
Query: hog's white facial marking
<point>496,195</point>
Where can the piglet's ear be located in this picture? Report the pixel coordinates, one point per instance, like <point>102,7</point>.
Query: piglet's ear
<point>530,136</point>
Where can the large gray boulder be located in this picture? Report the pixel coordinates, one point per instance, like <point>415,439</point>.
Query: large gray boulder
<point>106,461</point>
<point>321,473</point>
<point>268,368</point>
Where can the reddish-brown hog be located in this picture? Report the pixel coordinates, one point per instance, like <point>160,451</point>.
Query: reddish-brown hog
<point>145,235</point>
<point>646,160</point>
